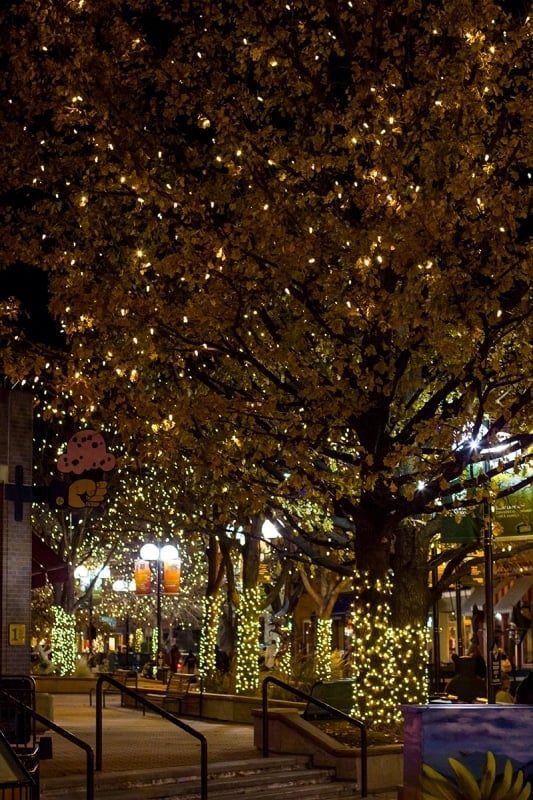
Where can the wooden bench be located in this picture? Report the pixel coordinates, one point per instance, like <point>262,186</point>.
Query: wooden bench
<point>182,695</point>
<point>337,694</point>
<point>126,678</point>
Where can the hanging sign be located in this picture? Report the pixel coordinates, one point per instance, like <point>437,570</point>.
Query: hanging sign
<point>171,576</point>
<point>143,577</point>
<point>514,515</point>
<point>84,464</point>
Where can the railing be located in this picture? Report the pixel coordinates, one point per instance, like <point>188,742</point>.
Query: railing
<point>89,780</point>
<point>147,704</point>
<point>18,727</point>
<point>15,781</point>
<point>16,791</point>
<point>330,709</point>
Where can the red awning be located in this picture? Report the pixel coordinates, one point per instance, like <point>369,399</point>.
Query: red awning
<point>46,564</point>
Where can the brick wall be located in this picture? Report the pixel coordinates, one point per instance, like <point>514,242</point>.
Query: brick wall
<point>16,436</point>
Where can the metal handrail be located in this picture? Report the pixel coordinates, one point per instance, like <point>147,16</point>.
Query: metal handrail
<point>48,723</point>
<point>139,698</point>
<point>331,709</point>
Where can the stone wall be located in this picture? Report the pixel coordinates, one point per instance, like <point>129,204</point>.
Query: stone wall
<point>288,733</point>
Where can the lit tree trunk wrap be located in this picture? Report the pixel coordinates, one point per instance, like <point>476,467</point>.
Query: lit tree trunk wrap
<point>388,666</point>
<point>389,622</point>
<point>211,609</point>
<point>247,668</point>
<point>138,640</point>
<point>63,641</point>
<point>410,602</point>
<point>409,648</point>
<point>373,672</point>
<point>324,629</point>
<point>285,661</point>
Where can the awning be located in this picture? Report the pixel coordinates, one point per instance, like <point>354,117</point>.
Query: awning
<point>514,595</point>
<point>477,598</point>
<point>45,564</point>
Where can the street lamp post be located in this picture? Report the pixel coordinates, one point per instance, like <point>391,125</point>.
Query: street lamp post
<point>491,647</point>
<point>91,579</point>
<point>161,555</point>
<point>125,586</point>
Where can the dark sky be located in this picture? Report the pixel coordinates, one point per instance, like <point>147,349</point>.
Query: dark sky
<point>30,286</point>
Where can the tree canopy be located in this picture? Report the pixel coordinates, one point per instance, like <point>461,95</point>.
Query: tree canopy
<point>288,243</point>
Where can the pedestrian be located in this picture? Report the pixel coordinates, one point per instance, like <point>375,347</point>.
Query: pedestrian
<point>480,668</point>
<point>222,662</point>
<point>270,655</point>
<point>191,662</point>
<point>175,658</point>
<point>524,692</point>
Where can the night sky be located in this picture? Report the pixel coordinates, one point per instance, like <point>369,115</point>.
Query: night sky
<point>30,286</point>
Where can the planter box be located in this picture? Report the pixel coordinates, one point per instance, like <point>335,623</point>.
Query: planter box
<point>223,707</point>
<point>288,733</point>
<point>44,704</point>
<point>55,685</point>
<point>236,708</point>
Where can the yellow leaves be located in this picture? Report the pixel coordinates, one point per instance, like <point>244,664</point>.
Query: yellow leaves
<point>409,491</point>
<point>257,52</point>
<point>309,286</point>
<point>481,493</point>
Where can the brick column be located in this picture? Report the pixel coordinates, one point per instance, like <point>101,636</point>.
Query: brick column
<point>16,443</point>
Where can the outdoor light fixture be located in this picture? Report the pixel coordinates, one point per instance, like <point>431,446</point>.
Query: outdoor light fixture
<point>125,586</point>
<point>168,575</point>
<point>90,579</point>
<point>270,530</point>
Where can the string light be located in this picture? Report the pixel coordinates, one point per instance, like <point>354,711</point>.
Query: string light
<point>63,641</point>
<point>324,630</point>
<point>138,640</point>
<point>247,674</point>
<point>211,613</point>
<point>389,666</point>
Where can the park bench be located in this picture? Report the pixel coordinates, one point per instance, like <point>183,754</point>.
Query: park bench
<point>126,678</point>
<point>182,695</point>
<point>338,694</point>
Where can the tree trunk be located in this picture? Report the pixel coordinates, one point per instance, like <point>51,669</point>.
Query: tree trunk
<point>410,599</point>
<point>391,603</point>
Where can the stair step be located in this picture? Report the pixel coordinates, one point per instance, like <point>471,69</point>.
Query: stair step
<point>315,791</point>
<point>274,778</point>
<point>230,787</point>
<point>57,787</point>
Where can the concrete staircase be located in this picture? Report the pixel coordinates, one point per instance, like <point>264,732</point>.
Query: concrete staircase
<point>274,778</point>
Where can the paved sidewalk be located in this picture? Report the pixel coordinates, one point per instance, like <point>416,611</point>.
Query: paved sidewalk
<point>133,742</point>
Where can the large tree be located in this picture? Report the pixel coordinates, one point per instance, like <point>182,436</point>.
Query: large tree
<point>292,242</point>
